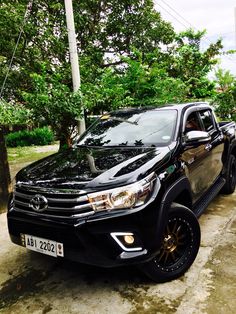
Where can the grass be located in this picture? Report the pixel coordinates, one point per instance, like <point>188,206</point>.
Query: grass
<point>20,157</point>
<point>25,154</point>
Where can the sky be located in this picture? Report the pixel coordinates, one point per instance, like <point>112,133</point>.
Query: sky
<point>216,16</point>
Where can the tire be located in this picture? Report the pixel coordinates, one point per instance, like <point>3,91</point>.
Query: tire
<point>229,186</point>
<point>180,245</point>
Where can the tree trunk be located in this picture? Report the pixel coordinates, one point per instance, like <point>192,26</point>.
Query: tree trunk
<point>65,138</point>
<point>5,179</point>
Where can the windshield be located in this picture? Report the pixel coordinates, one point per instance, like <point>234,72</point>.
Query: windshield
<point>132,128</point>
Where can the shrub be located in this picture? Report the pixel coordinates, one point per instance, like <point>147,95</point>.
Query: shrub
<point>40,136</point>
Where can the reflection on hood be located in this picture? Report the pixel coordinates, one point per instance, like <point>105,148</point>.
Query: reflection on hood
<point>82,166</point>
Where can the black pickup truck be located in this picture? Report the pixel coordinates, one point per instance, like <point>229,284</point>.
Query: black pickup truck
<point>129,191</point>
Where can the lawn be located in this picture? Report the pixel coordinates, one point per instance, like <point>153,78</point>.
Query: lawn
<point>20,157</point>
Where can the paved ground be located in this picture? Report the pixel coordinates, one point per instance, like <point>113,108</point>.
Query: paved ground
<point>37,284</point>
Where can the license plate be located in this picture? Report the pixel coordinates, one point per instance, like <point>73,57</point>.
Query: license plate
<point>42,245</point>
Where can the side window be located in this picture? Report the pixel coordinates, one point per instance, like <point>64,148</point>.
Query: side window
<point>192,123</point>
<point>207,120</point>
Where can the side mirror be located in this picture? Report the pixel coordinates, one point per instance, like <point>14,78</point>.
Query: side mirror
<point>196,137</point>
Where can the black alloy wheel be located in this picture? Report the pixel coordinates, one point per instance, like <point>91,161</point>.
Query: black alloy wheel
<point>180,245</point>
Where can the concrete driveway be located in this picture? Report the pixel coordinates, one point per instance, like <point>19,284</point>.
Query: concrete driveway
<point>34,283</point>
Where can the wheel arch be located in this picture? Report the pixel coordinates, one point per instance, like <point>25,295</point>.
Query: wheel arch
<point>179,192</point>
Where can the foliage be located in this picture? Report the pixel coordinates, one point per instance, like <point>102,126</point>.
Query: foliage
<point>192,65</point>
<point>12,114</point>
<point>224,79</point>
<point>138,83</point>
<point>225,104</point>
<point>54,103</point>
<point>150,84</point>
<point>39,136</point>
<point>225,100</point>
<point>129,56</point>
<point>104,29</point>
<point>182,75</point>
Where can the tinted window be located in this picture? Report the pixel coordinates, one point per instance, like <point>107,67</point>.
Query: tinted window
<point>207,120</point>
<point>132,128</point>
<point>192,123</point>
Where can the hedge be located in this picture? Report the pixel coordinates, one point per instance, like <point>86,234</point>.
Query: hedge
<point>39,136</point>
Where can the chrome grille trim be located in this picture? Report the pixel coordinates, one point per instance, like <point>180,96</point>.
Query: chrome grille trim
<point>60,204</point>
<point>66,200</point>
<point>54,216</point>
<point>49,190</point>
<point>84,206</point>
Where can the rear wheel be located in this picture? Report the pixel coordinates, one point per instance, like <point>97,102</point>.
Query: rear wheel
<point>180,245</point>
<point>229,186</point>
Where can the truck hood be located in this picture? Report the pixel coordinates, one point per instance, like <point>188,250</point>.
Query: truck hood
<point>94,168</point>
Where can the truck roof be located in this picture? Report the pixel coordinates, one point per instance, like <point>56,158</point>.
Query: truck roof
<point>178,107</point>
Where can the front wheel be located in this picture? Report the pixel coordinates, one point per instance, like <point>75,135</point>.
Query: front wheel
<point>180,245</point>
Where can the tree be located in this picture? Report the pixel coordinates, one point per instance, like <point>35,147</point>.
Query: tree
<point>105,30</point>
<point>140,82</point>
<point>109,35</point>
<point>9,115</point>
<point>225,99</point>
<point>54,104</point>
<point>224,80</point>
<point>192,65</point>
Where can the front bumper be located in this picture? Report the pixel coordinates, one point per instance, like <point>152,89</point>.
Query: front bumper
<point>96,241</point>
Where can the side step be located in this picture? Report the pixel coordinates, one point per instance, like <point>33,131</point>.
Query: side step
<point>211,193</point>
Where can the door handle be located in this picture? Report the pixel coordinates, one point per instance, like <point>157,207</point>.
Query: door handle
<point>208,147</point>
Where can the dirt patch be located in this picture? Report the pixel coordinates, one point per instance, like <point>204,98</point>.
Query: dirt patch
<point>25,284</point>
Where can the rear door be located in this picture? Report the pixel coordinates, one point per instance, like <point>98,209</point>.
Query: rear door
<point>215,147</point>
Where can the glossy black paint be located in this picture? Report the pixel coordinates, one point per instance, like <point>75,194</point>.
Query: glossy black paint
<point>94,168</point>
<point>185,171</point>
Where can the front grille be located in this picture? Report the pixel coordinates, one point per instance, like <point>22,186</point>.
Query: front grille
<point>61,203</point>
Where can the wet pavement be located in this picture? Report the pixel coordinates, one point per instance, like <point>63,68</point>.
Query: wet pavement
<point>38,284</point>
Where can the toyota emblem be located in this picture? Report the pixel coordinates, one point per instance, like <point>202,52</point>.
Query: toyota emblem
<point>38,203</point>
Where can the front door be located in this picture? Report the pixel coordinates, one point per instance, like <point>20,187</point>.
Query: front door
<point>196,159</point>
<point>203,163</point>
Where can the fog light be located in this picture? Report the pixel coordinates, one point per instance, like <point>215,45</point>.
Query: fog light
<point>129,239</point>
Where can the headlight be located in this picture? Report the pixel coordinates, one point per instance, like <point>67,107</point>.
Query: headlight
<point>128,196</point>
